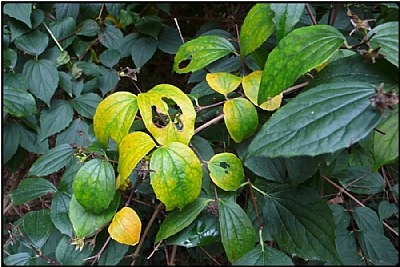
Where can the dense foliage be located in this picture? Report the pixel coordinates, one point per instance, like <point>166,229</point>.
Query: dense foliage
<point>198,134</point>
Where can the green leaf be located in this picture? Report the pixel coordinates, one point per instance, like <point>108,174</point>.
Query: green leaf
<point>111,37</point>
<point>64,31</point>
<point>9,58</point>
<point>149,25</point>
<point>180,125</point>
<point>33,43</point>
<point>386,146</point>
<point>37,227</point>
<point>18,259</point>
<point>67,255</point>
<point>177,220</point>
<point>169,40</point>
<point>272,169</point>
<point>226,171</point>
<point>113,253</point>
<point>43,78</point>
<point>77,133</point>
<point>201,51</point>
<point>30,141</point>
<point>301,168</point>
<point>132,149</point>
<point>286,17</point>
<point>360,180</point>
<point>376,246</point>
<point>18,102</point>
<point>10,140</point>
<point>21,12</point>
<point>387,37</point>
<point>223,82</point>
<point>110,57</point>
<point>16,80</point>
<point>176,175</point>
<point>263,256</point>
<point>142,50</point>
<point>59,213</point>
<point>256,28</point>
<point>301,223</point>
<point>240,118</point>
<point>386,209</point>
<point>56,118</point>
<point>86,224</point>
<point>31,188</point>
<point>338,115</point>
<point>297,53</point>
<point>107,81</point>
<point>52,161</point>
<point>88,27</point>
<point>64,10</point>
<point>114,117</point>
<point>86,104</point>
<point>237,233</point>
<point>94,185</point>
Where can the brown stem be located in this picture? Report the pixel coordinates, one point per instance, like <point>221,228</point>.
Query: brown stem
<point>388,184</point>
<point>146,231</point>
<point>97,256</point>
<point>341,189</point>
<point>294,88</point>
<point>207,124</point>
<point>311,15</point>
<point>173,255</point>
<point>211,257</point>
<point>255,204</point>
<point>332,22</point>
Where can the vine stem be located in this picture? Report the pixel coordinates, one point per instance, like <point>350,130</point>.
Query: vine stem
<point>146,231</point>
<point>173,255</point>
<point>97,256</point>
<point>341,189</point>
<point>210,122</point>
<point>53,37</point>
<point>179,30</point>
<point>311,15</point>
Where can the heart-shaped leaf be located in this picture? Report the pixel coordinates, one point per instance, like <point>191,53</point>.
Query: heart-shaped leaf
<point>18,102</point>
<point>176,175</point>
<point>223,82</point>
<point>226,171</point>
<point>125,227</point>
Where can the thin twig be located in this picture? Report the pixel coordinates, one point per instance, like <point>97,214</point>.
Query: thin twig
<point>200,108</point>
<point>294,88</point>
<point>356,200</point>
<point>335,14</point>
<point>210,122</point>
<point>173,255</point>
<point>211,257</point>
<point>330,14</point>
<point>260,226</point>
<point>311,15</point>
<point>179,30</point>
<point>388,184</point>
<point>97,256</point>
<point>146,231</point>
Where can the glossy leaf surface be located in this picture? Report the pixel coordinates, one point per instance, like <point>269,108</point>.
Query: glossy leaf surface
<point>37,227</point>
<point>125,227</point>
<point>201,51</point>
<point>386,36</point>
<point>114,117</point>
<point>59,213</point>
<point>286,17</point>
<point>179,126</point>
<point>226,171</point>
<point>52,161</point>
<point>31,188</point>
<point>299,52</point>
<point>223,82</point>
<point>18,102</point>
<point>338,114</point>
<point>263,256</point>
<point>240,118</point>
<point>176,175</point>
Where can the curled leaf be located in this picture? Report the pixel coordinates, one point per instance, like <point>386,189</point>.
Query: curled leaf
<point>125,227</point>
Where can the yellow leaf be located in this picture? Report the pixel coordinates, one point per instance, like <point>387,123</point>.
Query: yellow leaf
<point>223,82</point>
<point>125,227</point>
<point>226,171</point>
<point>114,117</point>
<point>131,150</point>
<point>178,127</point>
<point>251,85</point>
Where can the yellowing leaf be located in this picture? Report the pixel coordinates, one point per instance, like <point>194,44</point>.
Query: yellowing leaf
<point>125,227</point>
<point>179,127</point>
<point>226,171</point>
<point>241,118</point>
<point>114,117</point>
<point>176,175</point>
<point>223,82</point>
<point>131,150</point>
<point>251,85</point>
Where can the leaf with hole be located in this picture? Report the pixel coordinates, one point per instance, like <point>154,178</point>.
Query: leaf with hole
<point>125,227</point>
<point>338,114</point>
<point>114,117</point>
<point>86,224</point>
<point>223,82</point>
<point>251,87</point>
<point>177,220</point>
<point>240,118</point>
<point>201,52</point>
<point>31,188</point>
<point>94,185</point>
<point>168,114</point>
<point>256,28</point>
<point>237,233</point>
<point>297,53</point>
<point>226,171</point>
<point>132,149</point>
<point>175,175</point>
